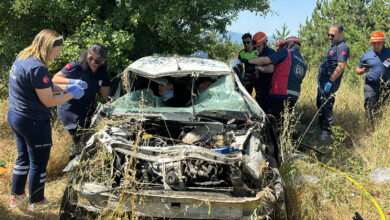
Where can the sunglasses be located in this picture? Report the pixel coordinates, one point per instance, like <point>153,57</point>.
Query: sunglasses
<point>246,42</point>
<point>331,35</point>
<point>96,61</point>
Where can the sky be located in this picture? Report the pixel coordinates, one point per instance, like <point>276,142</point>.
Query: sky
<point>292,13</point>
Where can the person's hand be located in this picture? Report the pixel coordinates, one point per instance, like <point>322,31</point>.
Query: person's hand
<point>244,61</point>
<point>71,87</point>
<point>78,82</point>
<point>77,92</point>
<point>327,87</point>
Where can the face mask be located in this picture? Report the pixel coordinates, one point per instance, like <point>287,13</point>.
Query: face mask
<point>168,95</point>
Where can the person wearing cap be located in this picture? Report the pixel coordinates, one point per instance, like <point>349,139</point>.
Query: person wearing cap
<point>90,72</point>
<point>375,64</point>
<point>248,80</point>
<point>289,71</point>
<point>329,78</point>
<point>263,82</point>
<point>31,95</point>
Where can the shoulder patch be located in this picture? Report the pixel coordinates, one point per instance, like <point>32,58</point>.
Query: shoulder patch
<point>68,66</point>
<point>343,53</point>
<point>45,79</point>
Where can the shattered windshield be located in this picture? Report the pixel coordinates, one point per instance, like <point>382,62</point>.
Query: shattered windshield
<point>220,95</point>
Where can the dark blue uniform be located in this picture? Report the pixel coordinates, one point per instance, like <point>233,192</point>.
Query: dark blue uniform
<point>338,52</point>
<point>75,112</point>
<point>290,69</point>
<point>264,83</point>
<point>30,121</point>
<point>377,79</point>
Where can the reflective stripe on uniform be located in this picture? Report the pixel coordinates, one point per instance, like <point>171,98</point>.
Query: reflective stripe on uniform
<point>21,167</point>
<point>17,172</point>
<point>292,92</point>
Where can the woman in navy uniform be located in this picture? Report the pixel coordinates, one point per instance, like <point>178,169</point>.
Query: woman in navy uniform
<point>92,69</point>
<point>31,94</point>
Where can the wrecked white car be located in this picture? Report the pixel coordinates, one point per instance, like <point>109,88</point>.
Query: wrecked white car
<point>211,155</point>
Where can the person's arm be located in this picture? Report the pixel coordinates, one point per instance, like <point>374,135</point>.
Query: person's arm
<point>60,79</point>
<point>105,91</point>
<point>47,97</point>
<point>361,71</point>
<point>337,72</point>
<point>362,66</point>
<point>260,61</point>
<point>58,88</point>
<point>267,69</point>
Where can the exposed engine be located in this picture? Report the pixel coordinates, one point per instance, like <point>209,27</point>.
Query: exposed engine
<point>183,156</point>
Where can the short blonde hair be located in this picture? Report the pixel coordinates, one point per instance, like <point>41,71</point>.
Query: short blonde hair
<point>42,46</point>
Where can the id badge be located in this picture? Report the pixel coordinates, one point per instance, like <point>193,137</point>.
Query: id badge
<point>386,63</point>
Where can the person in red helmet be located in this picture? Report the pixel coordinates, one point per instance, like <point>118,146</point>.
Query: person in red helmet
<point>376,65</point>
<point>279,44</point>
<point>289,71</point>
<point>263,82</point>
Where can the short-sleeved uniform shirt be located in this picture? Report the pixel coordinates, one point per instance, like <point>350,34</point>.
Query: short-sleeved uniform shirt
<point>94,80</point>
<point>290,69</point>
<point>26,76</point>
<point>338,52</point>
<point>379,65</point>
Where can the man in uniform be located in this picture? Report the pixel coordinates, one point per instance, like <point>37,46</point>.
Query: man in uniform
<point>329,77</point>
<point>376,64</point>
<point>289,71</point>
<point>279,44</point>
<point>248,80</point>
<point>263,81</point>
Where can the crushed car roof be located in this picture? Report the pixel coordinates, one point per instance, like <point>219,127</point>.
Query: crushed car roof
<point>156,66</point>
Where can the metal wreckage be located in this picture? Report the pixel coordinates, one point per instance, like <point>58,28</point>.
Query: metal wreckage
<point>216,157</point>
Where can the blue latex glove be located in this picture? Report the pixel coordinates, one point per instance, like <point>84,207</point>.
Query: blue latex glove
<point>77,92</point>
<point>327,87</point>
<point>78,82</point>
<point>71,87</point>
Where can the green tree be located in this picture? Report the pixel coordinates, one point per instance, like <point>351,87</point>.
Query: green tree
<point>284,32</point>
<point>130,28</point>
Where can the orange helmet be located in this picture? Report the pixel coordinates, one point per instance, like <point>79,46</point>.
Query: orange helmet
<point>259,38</point>
<point>378,36</point>
<point>279,43</point>
<point>292,39</point>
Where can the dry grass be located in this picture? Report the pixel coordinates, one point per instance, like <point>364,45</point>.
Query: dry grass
<point>358,148</point>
